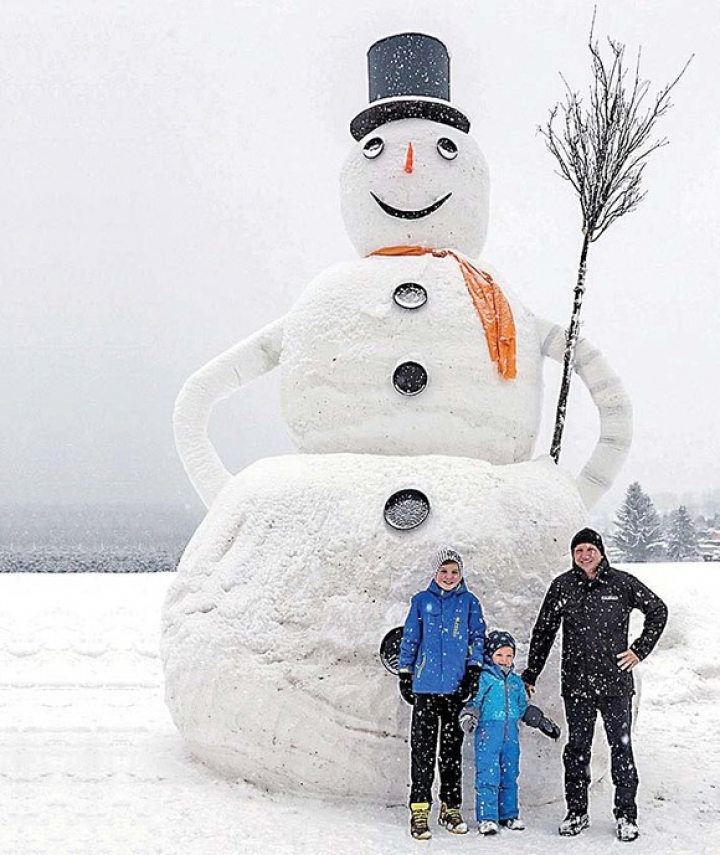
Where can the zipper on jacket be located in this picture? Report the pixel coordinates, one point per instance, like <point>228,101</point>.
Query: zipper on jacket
<point>507,708</point>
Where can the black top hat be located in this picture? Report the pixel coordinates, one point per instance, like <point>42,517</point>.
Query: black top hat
<point>409,77</point>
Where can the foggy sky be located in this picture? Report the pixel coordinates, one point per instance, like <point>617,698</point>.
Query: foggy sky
<point>170,184</point>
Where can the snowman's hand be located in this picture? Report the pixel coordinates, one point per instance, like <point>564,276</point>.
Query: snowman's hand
<point>613,406</point>
<point>247,360</point>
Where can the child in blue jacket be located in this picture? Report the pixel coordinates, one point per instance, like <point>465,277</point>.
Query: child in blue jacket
<point>439,669</point>
<point>494,713</point>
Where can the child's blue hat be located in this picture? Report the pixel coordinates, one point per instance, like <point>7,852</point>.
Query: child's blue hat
<point>498,639</point>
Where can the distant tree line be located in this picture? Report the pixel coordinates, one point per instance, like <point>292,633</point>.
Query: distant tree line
<point>50,559</point>
<point>640,534</point>
<point>93,538</point>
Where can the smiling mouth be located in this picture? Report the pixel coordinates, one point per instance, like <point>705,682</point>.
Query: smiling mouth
<point>410,215</point>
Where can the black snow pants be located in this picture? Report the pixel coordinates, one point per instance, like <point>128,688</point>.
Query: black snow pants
<point>581,713</point>
<point>433,713</point>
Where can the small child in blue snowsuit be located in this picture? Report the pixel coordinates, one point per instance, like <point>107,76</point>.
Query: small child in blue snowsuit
<point>494,714</point>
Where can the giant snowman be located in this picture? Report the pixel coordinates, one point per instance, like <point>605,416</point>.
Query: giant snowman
<point>412,384</point>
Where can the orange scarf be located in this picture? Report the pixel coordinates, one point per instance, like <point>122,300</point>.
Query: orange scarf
<point>489,301</point>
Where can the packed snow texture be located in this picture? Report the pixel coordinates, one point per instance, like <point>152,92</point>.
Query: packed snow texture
<point>91,763</point>
<point>346,336</point>
<point>273,623</point>
<point>460,223</point>
<point>340,346</point>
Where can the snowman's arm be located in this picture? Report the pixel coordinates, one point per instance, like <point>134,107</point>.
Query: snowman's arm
<point>613,406</point>
<point>247,360</point>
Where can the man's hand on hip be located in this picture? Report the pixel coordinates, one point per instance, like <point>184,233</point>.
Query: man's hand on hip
<point>627,660</point>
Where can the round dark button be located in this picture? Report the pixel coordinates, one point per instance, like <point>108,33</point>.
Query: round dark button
<point>410,295</point>
<point>410,378</point>
<point>407,509</point>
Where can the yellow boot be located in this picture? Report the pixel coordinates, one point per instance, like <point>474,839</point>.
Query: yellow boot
<point>419,813</point>
<point>452,819</point>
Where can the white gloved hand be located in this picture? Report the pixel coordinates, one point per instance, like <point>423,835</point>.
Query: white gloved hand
<point>468,719</point>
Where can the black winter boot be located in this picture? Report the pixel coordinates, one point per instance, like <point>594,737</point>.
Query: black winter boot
<point>626,829</point>
<point>573,824</point>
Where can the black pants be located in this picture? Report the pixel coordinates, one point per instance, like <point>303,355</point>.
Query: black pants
<point>581,714</point>
<point>433,713</point>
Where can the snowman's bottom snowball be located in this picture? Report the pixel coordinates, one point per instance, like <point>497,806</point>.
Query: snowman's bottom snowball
<point>273,623</point>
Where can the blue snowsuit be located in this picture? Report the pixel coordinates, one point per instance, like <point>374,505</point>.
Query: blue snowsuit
<point>501,702</point>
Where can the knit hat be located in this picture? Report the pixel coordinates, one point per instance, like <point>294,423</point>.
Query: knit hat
<point>497,639</point>
<point>447,554</point>
<point>588,535</point>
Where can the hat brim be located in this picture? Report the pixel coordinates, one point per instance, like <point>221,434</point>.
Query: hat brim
<point>392,109</point>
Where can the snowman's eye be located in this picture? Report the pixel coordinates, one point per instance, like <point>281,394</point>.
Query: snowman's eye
<point>373,147</point>
<point>447,148</point>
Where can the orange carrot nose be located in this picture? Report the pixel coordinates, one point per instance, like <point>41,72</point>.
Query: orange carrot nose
<point>409,159</point>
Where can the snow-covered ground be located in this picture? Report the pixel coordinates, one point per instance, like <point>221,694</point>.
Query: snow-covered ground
<point>90,761</point>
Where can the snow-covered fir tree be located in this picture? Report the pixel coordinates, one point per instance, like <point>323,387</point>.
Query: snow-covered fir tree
<point>682,539</point>
<point>638,534</point>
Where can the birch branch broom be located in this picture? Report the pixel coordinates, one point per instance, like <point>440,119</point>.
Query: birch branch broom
<point>601,149</point>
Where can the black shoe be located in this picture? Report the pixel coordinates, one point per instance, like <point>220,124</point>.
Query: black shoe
<point>626,829</point>
<point>573,824</point>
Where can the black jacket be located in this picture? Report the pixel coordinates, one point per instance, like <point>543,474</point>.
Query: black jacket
<point>595,615</point>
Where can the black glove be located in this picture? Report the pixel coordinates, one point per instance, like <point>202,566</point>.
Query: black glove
<point>529,678</point>
<point>405,686</point>
<point>549,728</point>
<point>534,717</point>
<point>469,683</point>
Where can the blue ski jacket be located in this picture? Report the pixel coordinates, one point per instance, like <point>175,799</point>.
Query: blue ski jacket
<point>444,633</point>
<point>499,697</point>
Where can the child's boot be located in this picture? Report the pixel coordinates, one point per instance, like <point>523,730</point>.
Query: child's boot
<point>419,813</point>
<point>452,819</point>
<point>514,824</point>
<point>488,826</point>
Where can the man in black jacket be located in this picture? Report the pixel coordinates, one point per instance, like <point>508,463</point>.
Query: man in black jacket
<point>593,601</point>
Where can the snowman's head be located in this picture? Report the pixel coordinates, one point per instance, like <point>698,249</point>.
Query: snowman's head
<point>416,182</point>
